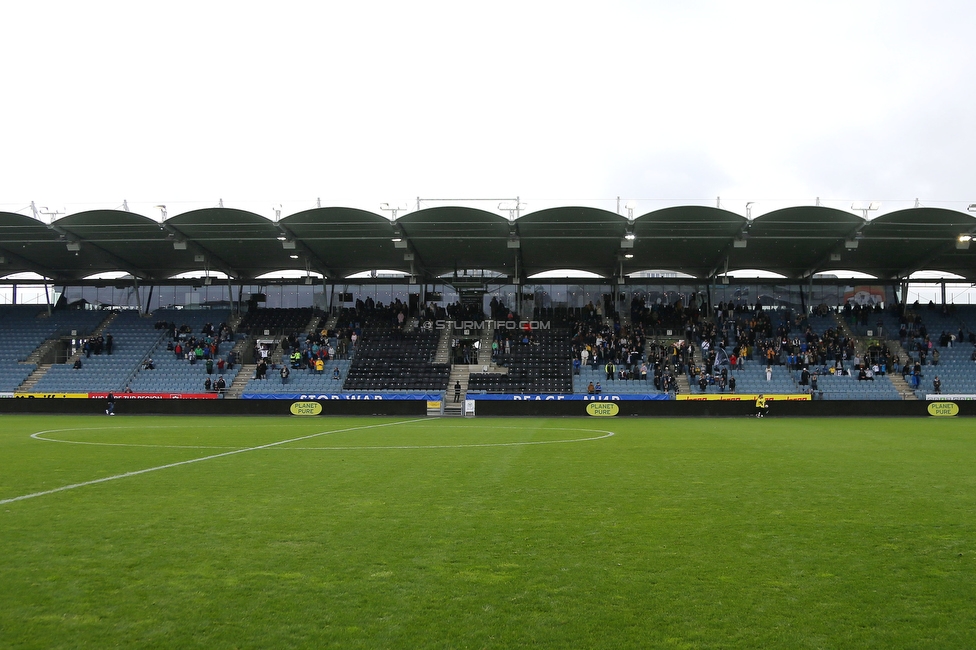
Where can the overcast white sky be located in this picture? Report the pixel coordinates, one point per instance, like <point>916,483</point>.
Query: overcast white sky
<point>560,103</point>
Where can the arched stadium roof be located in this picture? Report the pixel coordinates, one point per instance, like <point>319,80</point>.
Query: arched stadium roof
<point>337,242</point>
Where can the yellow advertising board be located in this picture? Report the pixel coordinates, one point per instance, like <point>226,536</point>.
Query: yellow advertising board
<point>943,409</point>
<point>305,408</point>
<point>602,409</point>
<point>729,397</point>
<point>53,395</point>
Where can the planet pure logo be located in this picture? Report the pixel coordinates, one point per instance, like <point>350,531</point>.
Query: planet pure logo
<point>943,409</point>
<point>306,408</point>
<point>602,409</point>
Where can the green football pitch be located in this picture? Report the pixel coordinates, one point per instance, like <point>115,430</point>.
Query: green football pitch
<point>487,533</point>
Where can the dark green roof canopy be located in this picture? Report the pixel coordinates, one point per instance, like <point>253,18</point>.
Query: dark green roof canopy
<point>338,242</point>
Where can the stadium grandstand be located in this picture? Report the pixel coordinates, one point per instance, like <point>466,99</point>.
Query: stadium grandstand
<point>448,304</point>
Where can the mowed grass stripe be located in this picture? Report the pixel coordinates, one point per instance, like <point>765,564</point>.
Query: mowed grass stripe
<point>671,533</point>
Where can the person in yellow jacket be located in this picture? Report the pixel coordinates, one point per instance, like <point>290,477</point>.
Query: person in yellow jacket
<point>761,407</point>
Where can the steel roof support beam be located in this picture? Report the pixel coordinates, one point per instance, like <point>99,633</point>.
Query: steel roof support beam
<point>319,263</point>
<point>196,247</point>
<point>118,261</point>
<point>29,265</point>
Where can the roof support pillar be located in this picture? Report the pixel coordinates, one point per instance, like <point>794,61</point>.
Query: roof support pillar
<point>152,288</point>
<point>135,287</point>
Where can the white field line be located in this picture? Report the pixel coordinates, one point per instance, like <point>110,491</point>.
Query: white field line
<point>42,435</point>
<point>194,460</point>
<point>606,434</point>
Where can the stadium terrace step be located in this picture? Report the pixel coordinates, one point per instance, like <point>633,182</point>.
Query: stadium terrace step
<point>33,378</point>
<point>443,354</point>
<point>459,374</point>
<point>684,386</point>
<point>236,389</point>
<point>902,386</point>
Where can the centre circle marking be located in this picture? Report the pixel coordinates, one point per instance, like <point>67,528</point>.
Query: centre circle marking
<point>44,435</point>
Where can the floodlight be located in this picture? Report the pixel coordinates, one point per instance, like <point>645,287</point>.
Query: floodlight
<point>73,246</point>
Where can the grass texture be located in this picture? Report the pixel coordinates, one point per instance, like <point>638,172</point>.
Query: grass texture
<point>487,533</point>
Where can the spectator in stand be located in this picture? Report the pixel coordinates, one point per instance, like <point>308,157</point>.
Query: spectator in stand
<point>937,385</point>
<point>284,374</point>
<point>220,385</point>
<point>206,384</point>
<point>77,365</point>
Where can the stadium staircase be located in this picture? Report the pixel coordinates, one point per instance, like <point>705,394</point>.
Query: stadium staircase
<point>236,389</point>
<point>45,350</point>
<point>459,373</point>
<point>33,378</point>
<point>895,375</point>
<point>624,318</point>
<point>902,386</point>
<point>443,354</point>
<point>684,386</point>
<point>894,345</point>
<point>462,373</point>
